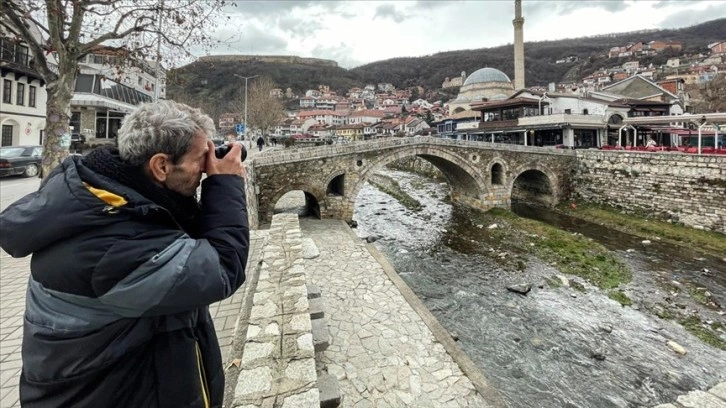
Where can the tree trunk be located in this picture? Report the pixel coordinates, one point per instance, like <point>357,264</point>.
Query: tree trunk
<point>57,139</point>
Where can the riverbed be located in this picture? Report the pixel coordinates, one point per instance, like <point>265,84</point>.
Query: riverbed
<point>554,346</point>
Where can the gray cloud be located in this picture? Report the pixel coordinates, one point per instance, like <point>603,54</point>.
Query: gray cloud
<point>389,11</point>
<point>251,40</point>
<point>567,7</point>
<point>714,11</point>
<point>340,53</point>
<point>272,9</point>
<point>298,27</point>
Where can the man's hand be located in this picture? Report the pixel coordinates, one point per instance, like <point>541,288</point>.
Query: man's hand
<point>231,163</point>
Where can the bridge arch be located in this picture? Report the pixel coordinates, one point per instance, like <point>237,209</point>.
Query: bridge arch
<point>466,181</point>
<point>313,200</point>
<point>535,183</point>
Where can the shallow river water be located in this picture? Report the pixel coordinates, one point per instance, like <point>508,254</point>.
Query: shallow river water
<point>555,347</point>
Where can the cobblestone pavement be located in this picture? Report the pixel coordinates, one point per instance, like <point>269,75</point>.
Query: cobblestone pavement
<point>13,281</point>
<point>381,351</point>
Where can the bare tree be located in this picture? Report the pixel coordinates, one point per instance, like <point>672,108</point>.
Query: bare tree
<point>264,111</point>
<point>712,96</point>
<point>72,29</point>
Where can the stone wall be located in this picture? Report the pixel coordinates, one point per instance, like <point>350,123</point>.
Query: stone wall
<point>684,188</point>
<point>279,356</point>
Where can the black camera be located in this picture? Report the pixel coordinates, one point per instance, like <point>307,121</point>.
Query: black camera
<point>221,151</point>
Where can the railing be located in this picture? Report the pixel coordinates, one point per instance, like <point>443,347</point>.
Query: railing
<point>313,153</point>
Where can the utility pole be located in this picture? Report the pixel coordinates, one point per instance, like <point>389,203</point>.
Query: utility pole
<point>246,78</point>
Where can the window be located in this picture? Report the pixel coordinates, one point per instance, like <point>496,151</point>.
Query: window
<point>31,96</point>
<point>7,135</point>
<point>7,91</point>
<point>20,94</point>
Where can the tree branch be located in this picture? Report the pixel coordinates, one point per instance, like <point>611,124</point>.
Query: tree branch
<point>24,32</point>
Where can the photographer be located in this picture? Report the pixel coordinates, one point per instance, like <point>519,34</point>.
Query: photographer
<point>125,263</point>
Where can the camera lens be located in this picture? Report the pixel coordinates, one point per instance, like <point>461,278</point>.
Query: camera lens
<point>222,151</point>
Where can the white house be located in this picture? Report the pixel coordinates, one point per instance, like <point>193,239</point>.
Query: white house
<point>22,111</point>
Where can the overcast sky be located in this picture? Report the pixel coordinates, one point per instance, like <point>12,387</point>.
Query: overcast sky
<point>358,32</point>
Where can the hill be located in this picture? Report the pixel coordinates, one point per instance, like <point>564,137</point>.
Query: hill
<point>540,67</point>
<point>211,77</point>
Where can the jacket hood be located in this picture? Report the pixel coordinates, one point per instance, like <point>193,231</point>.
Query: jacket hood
<point>70,201</point>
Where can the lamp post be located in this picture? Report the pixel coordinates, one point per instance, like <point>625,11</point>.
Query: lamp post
<point>246,78</point>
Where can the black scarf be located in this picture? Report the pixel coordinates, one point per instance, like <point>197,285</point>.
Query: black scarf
<point>107,162</point>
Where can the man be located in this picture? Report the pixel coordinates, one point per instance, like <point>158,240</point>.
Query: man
<point>125,263</point>
<point>260,142</point>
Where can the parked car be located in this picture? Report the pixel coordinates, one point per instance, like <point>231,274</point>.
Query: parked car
<point>78,141</point>
<point>23,160</point>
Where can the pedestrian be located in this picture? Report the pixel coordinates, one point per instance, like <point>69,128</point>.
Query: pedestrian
<point>121,277</point>
<point>274,141</point>
<point>260,142</point>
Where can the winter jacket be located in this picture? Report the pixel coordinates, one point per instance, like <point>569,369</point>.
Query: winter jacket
<point>117,301</point>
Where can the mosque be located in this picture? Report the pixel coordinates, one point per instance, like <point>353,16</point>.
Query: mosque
<point>491,84</point>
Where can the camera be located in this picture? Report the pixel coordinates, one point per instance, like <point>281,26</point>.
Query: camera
<point>221,151</point>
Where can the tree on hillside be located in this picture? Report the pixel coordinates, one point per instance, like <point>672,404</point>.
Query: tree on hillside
<point>264,111</point>
<point>71,30</point>
<point>712,96</point>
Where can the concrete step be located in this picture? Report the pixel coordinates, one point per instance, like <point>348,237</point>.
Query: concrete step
<point>329,391</point>
<point>313,291</point>
<point>316,308</point>
<point>320,335</point>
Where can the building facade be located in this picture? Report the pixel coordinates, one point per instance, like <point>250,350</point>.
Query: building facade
<point>22,107</point>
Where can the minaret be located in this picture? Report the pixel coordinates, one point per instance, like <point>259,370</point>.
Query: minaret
<point>518,23</point>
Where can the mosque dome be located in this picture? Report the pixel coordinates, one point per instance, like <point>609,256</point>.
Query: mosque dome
<point>485,75</point>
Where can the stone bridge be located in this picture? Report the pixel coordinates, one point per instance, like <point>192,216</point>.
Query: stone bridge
<point>481,175</point>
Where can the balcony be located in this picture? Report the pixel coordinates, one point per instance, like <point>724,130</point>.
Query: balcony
<point>14,58</point>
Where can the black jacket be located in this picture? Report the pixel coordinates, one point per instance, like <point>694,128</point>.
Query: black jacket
<point>117,303</point>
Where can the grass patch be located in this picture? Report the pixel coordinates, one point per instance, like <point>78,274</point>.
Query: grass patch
<point>403,198</point>
<point>706,334</point>
<point>698,294</point>
<point>573,254</point>
<point>699,240</point>
<point>620,297</point>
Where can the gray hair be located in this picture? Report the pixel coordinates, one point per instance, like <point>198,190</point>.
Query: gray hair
<point>161,127</point>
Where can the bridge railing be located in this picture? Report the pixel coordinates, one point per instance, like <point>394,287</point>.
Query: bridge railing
<point>312,153</point>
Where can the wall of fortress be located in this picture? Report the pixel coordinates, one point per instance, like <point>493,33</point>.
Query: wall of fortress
<point>278,59</point>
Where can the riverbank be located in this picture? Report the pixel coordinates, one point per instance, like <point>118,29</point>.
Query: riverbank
<point>648,227</point>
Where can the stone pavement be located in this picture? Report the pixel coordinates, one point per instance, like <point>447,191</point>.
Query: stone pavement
<point>381,350</point>
<point>14,279</point>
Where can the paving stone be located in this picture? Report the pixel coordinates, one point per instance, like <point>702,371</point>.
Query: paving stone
<point>313,291</point>
<point>330,396</point>
<point>316,308</point>
<point>320,335</point>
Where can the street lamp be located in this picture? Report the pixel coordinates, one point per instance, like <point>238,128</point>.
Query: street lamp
<point>246,78</point>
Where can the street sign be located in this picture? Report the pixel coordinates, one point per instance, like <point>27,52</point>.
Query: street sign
<point>240,128</point>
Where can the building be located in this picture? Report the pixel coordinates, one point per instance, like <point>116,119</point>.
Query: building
<point>454,82</point>
<point>109,86</point>
<point>482,85</point>
<point>718,48</point>
<point>23,103</point>
<point>366,116</point>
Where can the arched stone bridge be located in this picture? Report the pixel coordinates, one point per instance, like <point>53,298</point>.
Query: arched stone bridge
<point>481,175</point>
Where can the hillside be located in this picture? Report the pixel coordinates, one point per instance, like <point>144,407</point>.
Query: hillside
<point>540,68</point>
<point>211,77</point>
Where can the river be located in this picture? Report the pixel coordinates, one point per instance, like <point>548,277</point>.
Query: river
<point>554,347</point>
